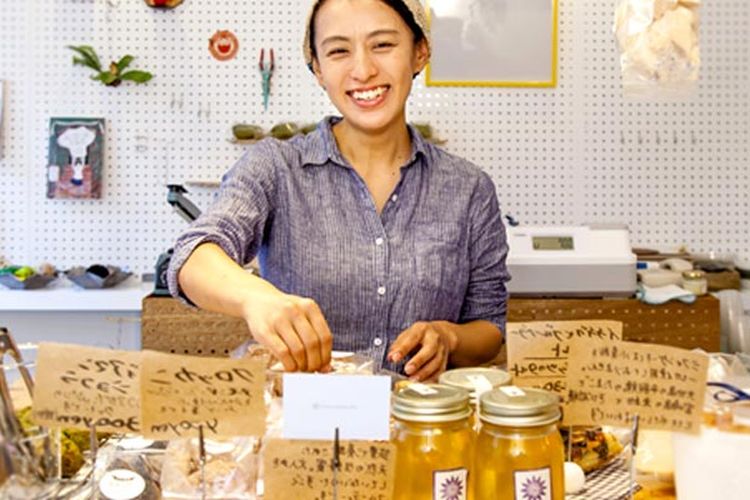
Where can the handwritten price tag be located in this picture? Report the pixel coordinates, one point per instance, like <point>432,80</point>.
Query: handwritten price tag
<point>303,470</point>
<point>538,351</point>
<point>181,393</point>
<point>611,383</point>
<point>78,386</point>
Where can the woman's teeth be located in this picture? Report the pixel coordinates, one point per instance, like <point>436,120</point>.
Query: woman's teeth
<point>369,95</point>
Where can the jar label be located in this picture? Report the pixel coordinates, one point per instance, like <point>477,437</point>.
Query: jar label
<point>512,391</point>
<point>480,383</point>
<point>422,389</point>
<point>532,484</point>
<point>449,484</point>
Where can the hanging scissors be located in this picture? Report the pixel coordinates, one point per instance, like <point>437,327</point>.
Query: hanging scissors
<point>727,393</point>
<point>266,71</point>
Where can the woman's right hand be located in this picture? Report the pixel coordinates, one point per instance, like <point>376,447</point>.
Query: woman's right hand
<point>293,328</point>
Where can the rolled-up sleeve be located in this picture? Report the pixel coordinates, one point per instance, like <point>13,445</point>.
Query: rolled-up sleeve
<point>237,218</point>
<point>486,295</point>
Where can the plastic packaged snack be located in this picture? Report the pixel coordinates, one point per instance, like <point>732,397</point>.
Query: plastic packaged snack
<point>231,469</point>
<point>127,473</point>
<point>658,40</point>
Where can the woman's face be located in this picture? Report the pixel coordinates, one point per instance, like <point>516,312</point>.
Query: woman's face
<point>365,61</point>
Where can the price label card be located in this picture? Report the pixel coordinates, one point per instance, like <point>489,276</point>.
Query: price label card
<point>181,393</point>
<point>304,470</point>
<point>611,383</point>
<point>315,405</point>
<point>538,351</point>
<point>79,386</point>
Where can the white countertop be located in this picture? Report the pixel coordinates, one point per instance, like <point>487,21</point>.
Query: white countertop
<point>63,295</point>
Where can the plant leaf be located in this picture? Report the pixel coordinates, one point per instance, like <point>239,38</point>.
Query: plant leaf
<point>124,62</point>
<point>89,56</point>
<point>92,54</point>
<point>137,76</point>
<point>105,77</point>
<point>82,62</point>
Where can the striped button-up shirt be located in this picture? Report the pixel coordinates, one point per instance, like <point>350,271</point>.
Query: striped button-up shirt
<point>436,251</point>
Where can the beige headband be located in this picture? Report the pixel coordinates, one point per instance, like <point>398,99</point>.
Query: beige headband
<point>414,6</point>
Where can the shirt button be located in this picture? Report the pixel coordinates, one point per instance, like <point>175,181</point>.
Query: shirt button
<point>381,290</point>
<point>379,241</point>
<point>377,342</point>
<point>394,197</point>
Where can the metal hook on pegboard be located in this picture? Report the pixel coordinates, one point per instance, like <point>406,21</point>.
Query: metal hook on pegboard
<point>111,4</point>
<point>176,102</point>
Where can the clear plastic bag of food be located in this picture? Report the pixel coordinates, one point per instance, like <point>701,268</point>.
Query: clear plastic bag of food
<point>128,472</point>
<point>342,363</point>
<point>230,473</point>
<point>659,49</point>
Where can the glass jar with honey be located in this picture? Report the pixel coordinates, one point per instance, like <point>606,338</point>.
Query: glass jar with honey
<point>434,442</point>
<point>519,450</point>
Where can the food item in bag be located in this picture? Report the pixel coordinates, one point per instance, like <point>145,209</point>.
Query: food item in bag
<point>126,474</point>
<point>230,471</point>
<point>658,42</point>
<point>590,448</point>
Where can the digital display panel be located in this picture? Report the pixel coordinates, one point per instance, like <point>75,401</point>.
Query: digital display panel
<point>552,242</point>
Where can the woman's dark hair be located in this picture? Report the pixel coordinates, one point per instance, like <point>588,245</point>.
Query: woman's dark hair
<point>397,5</point>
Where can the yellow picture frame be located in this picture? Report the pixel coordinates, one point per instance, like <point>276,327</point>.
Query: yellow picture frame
<point>455,55</point>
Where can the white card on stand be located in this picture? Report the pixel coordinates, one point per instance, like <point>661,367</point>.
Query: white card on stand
<point>315,405</point>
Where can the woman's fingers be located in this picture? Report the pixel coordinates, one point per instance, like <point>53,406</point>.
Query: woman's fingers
<point>278,348</point>
<point>320,325</point>
<point>429,347</point>
<point>285,330</point>
<point>433,367</point>
<point>310,342</point>
<point>406,342</point>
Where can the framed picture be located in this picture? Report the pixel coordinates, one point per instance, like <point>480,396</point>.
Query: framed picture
<point>76,151</point>
<point>494,43</point>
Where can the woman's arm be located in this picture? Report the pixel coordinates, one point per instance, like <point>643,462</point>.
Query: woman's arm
<point>292,327</point>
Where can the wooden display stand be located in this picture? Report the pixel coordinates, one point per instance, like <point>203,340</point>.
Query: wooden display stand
<point>170,326</point>
<point>688,326</point>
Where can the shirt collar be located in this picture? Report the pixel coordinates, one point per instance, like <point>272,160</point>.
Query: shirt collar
<point>322,146</point>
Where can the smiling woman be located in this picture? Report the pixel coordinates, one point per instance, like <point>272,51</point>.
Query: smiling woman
<point>369,238</point>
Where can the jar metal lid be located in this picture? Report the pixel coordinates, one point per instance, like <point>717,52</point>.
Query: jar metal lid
<point>694,274</point>
<point>465,378</point>
<point>431,403</point>
<point>519,407</point>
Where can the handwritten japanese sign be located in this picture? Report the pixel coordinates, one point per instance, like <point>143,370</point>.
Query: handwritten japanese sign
<point>303,470</point>
<point>538,351</point>
<point>78,386</point>
<point>181,393</point>
<point>611,383</point>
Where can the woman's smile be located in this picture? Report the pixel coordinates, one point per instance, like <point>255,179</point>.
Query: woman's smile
<point>370,97</point>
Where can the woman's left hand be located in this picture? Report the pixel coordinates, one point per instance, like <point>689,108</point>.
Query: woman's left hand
<point>436,341</point>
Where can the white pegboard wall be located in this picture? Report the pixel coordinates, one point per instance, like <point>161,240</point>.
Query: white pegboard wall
<point>675,171</point>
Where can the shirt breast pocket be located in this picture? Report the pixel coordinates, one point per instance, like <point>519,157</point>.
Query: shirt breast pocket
<point>441,260</point>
